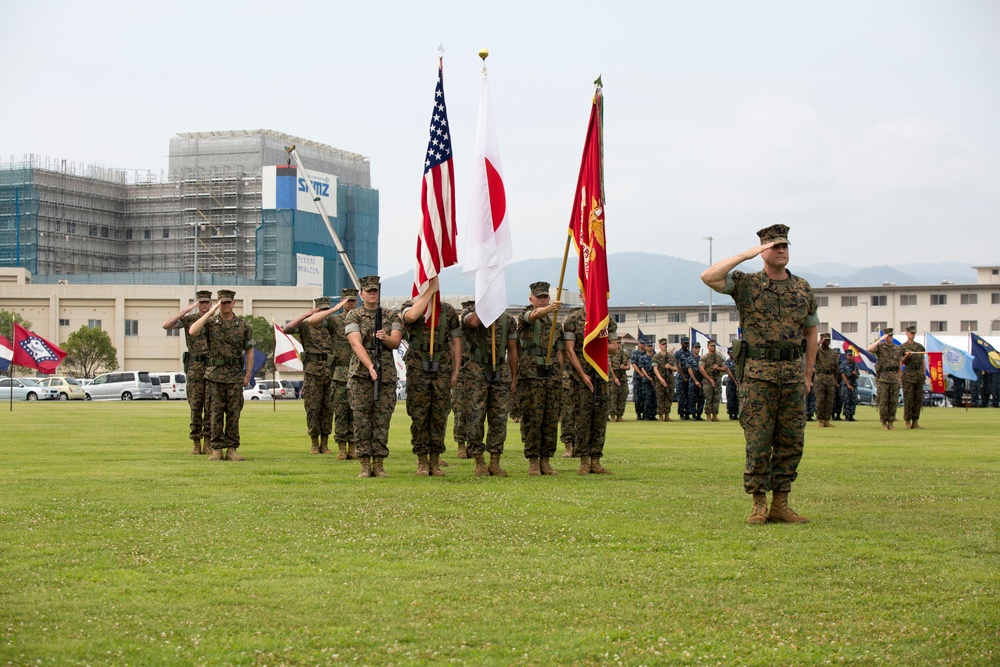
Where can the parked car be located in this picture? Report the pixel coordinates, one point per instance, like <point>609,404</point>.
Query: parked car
<point>125,386</point>
<point>69,388</point>
<point>866,390</point>
<point>277,390</point>
<point>173,385</point>
<point>26,389</point>
<point>256,393</point>
<point>291,391</point>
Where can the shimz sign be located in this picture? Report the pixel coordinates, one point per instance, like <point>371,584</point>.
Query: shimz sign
<point>284,188</point>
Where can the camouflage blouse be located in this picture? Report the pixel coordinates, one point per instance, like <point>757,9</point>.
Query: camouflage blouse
<point>315,341</point>
<point>889,357</point>
<point>362,321</point>
<point>827,365</point>
<point>197,346</point>
<point>773,314</point>
<point>417,336</point>
<point>532,344</point>
<point>913,371</point>
<point>342,352</point>
<point>573,331</point>
<point>228,341</point>
<point>660,361</point>
<point>712,359</point>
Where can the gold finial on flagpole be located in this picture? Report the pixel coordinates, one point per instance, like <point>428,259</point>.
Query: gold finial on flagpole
<point>484,54</point>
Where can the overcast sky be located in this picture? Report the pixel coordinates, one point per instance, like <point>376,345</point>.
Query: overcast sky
<point>871,128</point>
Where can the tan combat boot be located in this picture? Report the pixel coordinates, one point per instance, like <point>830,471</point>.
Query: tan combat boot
<point>352,453</point>
<point>915,424</point>
<point>891,427</point>
<point>584,466</point>
<point>885,426</point>
<point>196,450</point>
<point>481,470</point>
<point>423,466</point>
<point>533,469</point>
<point>494,467</point>
<point>667,418</point>
<point>315,444</point>
<point>216,455</point>
<point>759,513</point>
<point>377,469</point>
<point>597,468</point>
<point>231,455</point>
<point>341,451</point>
<point>781,512</point>
<point>324,444</point>
<point>435,465</point>
<point>568,451</point>
<point>366,467</point>
<point>463,451</point>
<point>543,465</point>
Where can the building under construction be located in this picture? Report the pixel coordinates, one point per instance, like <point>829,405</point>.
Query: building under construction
<point>229,211</point>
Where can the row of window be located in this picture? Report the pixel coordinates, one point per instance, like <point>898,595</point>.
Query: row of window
<point>131,327</point>
<point>147,234</point>
<point>645,318</point>
<point>934,326</point>
<point>876,300</point>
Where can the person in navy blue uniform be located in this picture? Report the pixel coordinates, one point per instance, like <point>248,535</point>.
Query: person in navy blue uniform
<point>683,380</point>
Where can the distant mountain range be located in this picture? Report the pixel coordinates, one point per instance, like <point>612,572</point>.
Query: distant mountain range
<point>649,279</point>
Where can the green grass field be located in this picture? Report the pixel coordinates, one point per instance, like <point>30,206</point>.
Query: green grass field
<point>119,548</point>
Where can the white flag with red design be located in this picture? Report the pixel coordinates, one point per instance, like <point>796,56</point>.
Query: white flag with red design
<point>488,249</point>
<point>287,350</point>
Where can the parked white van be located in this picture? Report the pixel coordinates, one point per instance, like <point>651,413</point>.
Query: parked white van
<point>173,385</point>
<point>126,386</point>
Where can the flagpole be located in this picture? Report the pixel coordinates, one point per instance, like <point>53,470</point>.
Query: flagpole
<point>274,367</point>
<point>10,376</point>
<point>434,323</point>
<point>555,313</point>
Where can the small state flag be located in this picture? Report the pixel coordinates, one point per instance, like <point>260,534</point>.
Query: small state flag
<point>32,351</point>
<point>287,350</point>
<point>6,353</point>
<point>984,356</point>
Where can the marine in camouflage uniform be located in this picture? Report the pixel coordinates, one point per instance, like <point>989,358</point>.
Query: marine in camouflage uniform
<point>514,407</point>
<point>825,382</point>
<point>683,382</point>
<point>777,311</point>
<point>460,403</point>
<point>589,394</point>
<point>663,381</point>
<point>492,368</point>
<point>913,378</point>
<point>849,386</point>
<point>317,389</point>
<point>712,367</point>
<point>838,404</point>
<point>887,372</point>
<point>643,397</point>
<point>618,384</point>
<point>567,416</point>
<point>194,368</point>
<point>692,367</point>
<point>371,416</point>
<point>430,377</point>
<point>539,386</point>
<point>732,389</point>
<point>332,321</point>
<point>228,369</point>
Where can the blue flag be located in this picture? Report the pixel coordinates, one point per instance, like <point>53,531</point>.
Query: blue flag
<point>984,356</point>
<point>956,362</point>
<point>862,357</point>
<point>258,360</point>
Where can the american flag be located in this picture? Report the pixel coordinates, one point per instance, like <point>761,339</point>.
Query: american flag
<point>436,242</point>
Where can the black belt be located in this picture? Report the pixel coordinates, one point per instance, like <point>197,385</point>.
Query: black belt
<point>199,357</point>
<point>232,361</point>
<point>315,356</point>
<point>775,354</point>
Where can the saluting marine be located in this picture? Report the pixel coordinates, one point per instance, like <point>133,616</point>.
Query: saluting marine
<point>194,368</point>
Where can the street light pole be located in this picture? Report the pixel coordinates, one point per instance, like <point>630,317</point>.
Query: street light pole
<point>710,290</point>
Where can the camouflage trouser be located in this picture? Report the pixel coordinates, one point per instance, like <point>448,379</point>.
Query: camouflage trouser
<point>487,404</point>
<point>428,401</point>
<point>568,416</point>
<point>344,423</point>
<point>712,395</point>
<point>371,420</point>
<point>513,406</point>
<point>732,399</point>
<point>197,397</point>
<point>664,396</point>
<point>541,403</point>
<point>913,399</point>
<point>225,401</point>
<point>824,389</point>
<point>592,419</point>
<point>888,399</point>
<point>681,391</point>
<point>617,397</point>
<point>460,404</point>
<point>317,396</point>
<point>849,400</point>
<point>773,418</point>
